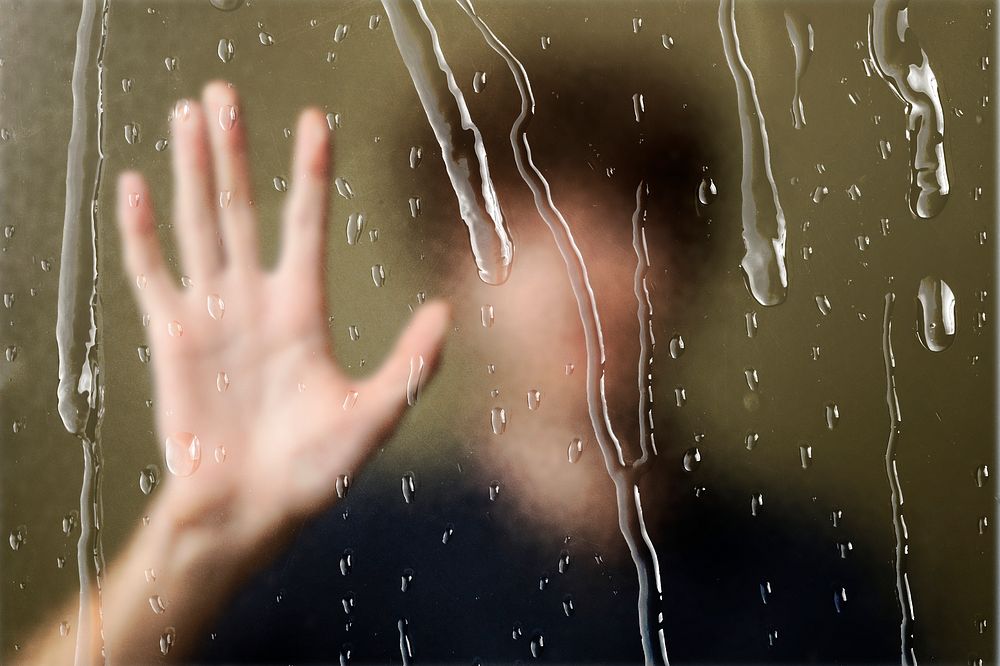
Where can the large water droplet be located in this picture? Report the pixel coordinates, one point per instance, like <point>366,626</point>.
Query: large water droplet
<point>182,453</point>
<point>226,50</point>
<point>823,304</point>
<point>344,188</point>
<point>936,323</point>
<point>575,449</point>
<point>498,419</point>
<point>216,306</point>
<point>149,477</point>
<point>707,191</point>
<point>534,399</point>
<point>227,5</point>
<point>692,459</point>
<point>677,345</point>
<point>832,415</point>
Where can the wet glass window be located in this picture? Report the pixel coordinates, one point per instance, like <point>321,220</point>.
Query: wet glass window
<point>474,332</point>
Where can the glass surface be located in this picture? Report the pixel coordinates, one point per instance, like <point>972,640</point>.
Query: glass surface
<point>815,327</point>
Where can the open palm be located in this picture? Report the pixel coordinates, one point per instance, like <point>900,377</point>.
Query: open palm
<point>257,421</point>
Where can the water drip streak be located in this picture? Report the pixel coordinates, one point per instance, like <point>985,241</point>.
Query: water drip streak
<point>644,313</point>
<point>763,219</point>
<point>79,393</point>
<point>800,34</point>
<point>630,520</point>
<point>904,66</point>
<point>461,143</point>
<point>906,653</point>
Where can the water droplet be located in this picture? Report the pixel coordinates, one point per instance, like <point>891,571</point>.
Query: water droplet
<point>823,303</point>
<point>182,453</point>
<point>854,192</point>
<point>344,188</point>
<point>416,154</point>
<point>839,599</point>
<point>265,38</point>
<point>498,419</point>
<point>409,487</point>
<point>667,41</point>
<point>575,449</point>
<point>406,580</point>
<point>374,21</point>
<point>494,490</point>
<point>488,316</point>
<point>64,628</point>
<point>680,396</point>
<point>545,41</point>
<point>216,306</point>
<point>449,531</point>
<point>175,329</point>
<point>343,485</point>
<point>378,275</point>
<point>157,604</point>
<point>149,477</point>
<point>936,323</point>
<point>350,400</point>
<point>228,116</point>
<point>636,24</point>
<point>534,399</point>
<point>227,5</point>
<point>517,631</point>
<point>355,224</point>
<point>126,86</point>
<point>414,204</point>
<point>226,50</point>
<point>161,145</point>
<point>69,522</point>
<point>346,561</point>
<point>222,381</point>
<point>832,415</point>
<point>132,133</point>
<point>352,332</point>
<point>8,300</point>
<point>765,591</point>
<point>638,106</point>
<point>692,459</point>
<point>537,645</point>
<point>168,637</point>
<point>756,502</point>
<point>707,191</point>
<point>478,82</point>
<point>982,475</point>
<point>11,353</point>
<point>805,455</point>
<point>170,63</point>
<point>280,184</point>
<point>677,345</point>
<point>820,193</point>
<point>133,200</point>
<point>18,537</point>
<point>186,282</point>
<point>562,565</point>
<point>340,34</point>
<point>753,381</point>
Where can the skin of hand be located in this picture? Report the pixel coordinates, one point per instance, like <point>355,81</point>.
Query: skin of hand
<point>290,421</point>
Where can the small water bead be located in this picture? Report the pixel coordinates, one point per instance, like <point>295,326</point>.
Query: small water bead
<point>174,329</point>
<point>488,316</point>
<point>568,605</point>
<point>416,154</point>
<point>479,82</point>
<point>228,115</point>
<point>545,42</point>
<point>216,306</point>
<point>227,5</point>
<point>340,34</point>
<point>820,193</point>
<point>494,490</point>
<point>374,21</point>
<point>226,50</point>
<point>409,487</point>
<point>680,396</point>
<point>350,400</point>
<point>343,484</point>
<point>132,133</point>
<point>936,305</point>
<point>413,379</point>
<point>884,148</point>
<point>537,645</point>
<point>575,449</point>
<point>127,86</point>
<point>498,420</point>
<point>346,561</point>
<point>222,381</point>
<point>638,106</point>
<point>406,580</point>
<point>182,453</point>
<point>157,604</point>
<point>832,412</point>
<point>280,184</point>
<point>161,145</point>
<point>265,38</point>
<point>355,224</point>
<point>344,188</point>
<point>352,332</point>
<point>11,353</point>
<point>414,203</point>
<point>707,191</point>
<point>449,531</point>
<point>378,275</point>
<point>756,502</point>
<point>667,41</point>
<point>982,475</point>
<point>333,121</point>
<point>133,200</point>
<point>186,282</point>
<point>64,628</point>
<point>534,399</point>
<point>167,639</point>
<point>805,455</point>
<point>69,522</point>
<point>692,459</point>
<point>823,304</point>
<point>170,63</point>
<point>677,346</point>
<point>752,379</point>
<point>18,537</point>
<point>839,599</point>
<point>562,565</point>
<point>149,478</point>
<point>181,110</point>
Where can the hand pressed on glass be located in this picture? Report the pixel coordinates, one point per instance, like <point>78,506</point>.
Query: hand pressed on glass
<point>256,419</point>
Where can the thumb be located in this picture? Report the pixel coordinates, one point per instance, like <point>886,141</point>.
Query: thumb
<point>398,382</point>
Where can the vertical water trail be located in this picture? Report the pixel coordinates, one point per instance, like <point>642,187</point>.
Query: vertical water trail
<point>763,219</point>
<point>79,392</point>
<point>907,656</point>
<point>644,314</point>
<point>904,66</point>
<point>461,143</point>
<point>624,476</point>
<point>800,34</point>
